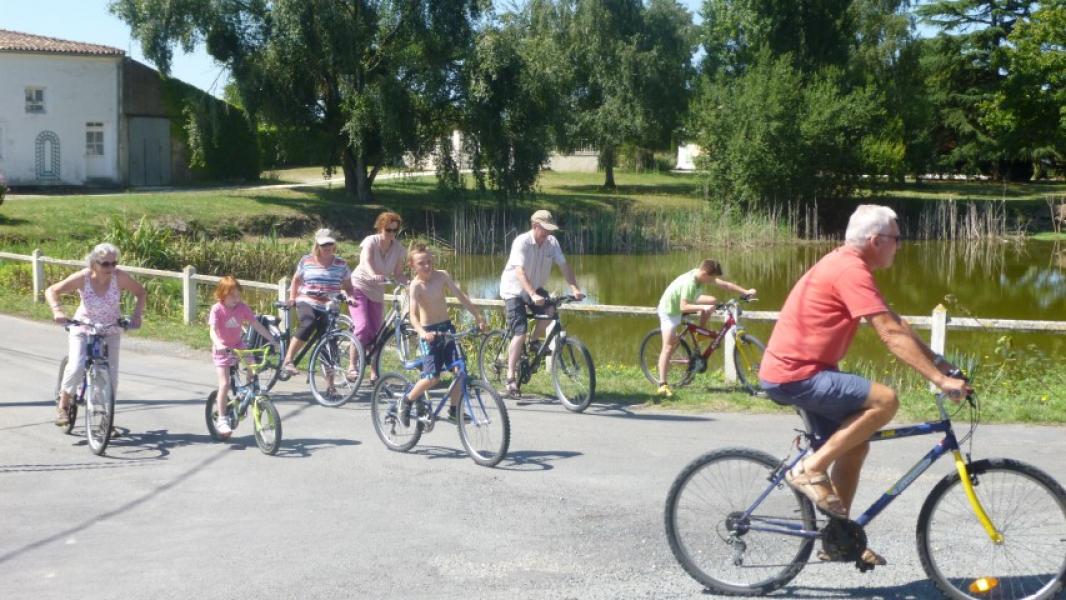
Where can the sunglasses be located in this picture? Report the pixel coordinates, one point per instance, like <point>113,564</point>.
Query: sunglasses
<point>327,245</point>
<point>107,263</point>
<point>393,230</point>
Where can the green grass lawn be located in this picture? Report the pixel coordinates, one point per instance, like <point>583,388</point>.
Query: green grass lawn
<point>969,191</point>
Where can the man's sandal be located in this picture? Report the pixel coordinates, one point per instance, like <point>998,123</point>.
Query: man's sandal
<point>818,488</point>
<point>512,388</point>
<point>868,556</point>
<point>290,369</point>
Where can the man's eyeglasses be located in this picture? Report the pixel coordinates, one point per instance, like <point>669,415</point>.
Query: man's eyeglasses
<point>107,263</point>
<point>894,238</point>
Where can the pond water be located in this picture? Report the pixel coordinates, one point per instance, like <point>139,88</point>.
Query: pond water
<point>1003,280</point>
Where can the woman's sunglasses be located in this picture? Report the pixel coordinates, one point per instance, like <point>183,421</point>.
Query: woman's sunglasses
<point>107,263</point>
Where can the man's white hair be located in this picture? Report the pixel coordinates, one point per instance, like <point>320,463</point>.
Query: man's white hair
<point>867,220</point>
<point>100,251</point>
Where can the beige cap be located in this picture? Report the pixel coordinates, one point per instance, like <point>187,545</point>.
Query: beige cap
<point>544,219</point>
<point>324,236</point>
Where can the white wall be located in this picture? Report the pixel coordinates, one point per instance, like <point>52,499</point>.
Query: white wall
<point>686,156</point>
<point>78,90</point>
<point>582,161</point>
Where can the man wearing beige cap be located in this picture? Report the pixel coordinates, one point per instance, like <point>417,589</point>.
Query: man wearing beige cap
<point>522,285</point>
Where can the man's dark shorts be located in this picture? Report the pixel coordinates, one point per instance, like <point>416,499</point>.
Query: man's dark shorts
<point>439,354</point>
<point>828,397</point>
<point>519,308</point>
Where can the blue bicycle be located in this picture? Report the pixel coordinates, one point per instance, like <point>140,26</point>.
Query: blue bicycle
<point>484,428</point>
<point>993,529</point>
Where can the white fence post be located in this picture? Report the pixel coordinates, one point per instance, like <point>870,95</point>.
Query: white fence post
<point>38,275</point>
<point>729,368</point>
<point>283,296</point>
<point>939,329</point>
<point>189,299</point>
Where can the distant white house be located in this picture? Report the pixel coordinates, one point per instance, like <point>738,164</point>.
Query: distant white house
<point>686,157</point>
<point>73,113</point>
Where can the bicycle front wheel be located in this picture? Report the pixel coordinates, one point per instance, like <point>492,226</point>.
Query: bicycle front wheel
<point>272,360</point>
<point>385,404</point>
<point>72,408</point>
<point>747,356</point>
<point>492,358</point>
<point>336,368</point>
<point>1023,503</point>
<point>99,408</point>
<point>267,424</point>
<point>721,548</point>
<point>573,374</point>
<point>484,428</point>
<point>678,366</point>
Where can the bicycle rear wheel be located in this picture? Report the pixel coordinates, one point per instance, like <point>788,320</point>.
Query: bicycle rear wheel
<point>99,408</point>
<point>678,367</point>
<point>716,544</point>
<point>211,414</point>
<point>484,428</point>
<point>1025,504</point>
<point>397,349</point>
<point>492,358</point>
<point>747,356</point>
<point>335,377</point>
<point>384,410</point>
<point>573,374</point>
<point>267,425</point>
<point>72,408</point>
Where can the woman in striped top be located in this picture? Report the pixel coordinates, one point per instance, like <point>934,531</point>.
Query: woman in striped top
<point>319,276</point>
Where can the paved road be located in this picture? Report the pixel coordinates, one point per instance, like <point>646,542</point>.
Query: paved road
<point>575,511</point>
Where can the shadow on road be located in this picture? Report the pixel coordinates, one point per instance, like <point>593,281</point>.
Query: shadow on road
<point>534,460</point>
<point>916,590</point>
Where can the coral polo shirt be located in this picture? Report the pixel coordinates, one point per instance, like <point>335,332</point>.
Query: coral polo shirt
<point>820,317</point>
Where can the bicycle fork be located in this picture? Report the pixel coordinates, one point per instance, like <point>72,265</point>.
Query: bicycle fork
<point>978,510</point>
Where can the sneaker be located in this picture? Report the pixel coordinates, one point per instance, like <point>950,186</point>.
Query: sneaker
<point>405,413</point>
<point>665,391</point>
<point>222,427</point>
<point>62,420</point>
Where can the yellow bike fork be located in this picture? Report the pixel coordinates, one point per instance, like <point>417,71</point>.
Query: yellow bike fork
<point>979,511</point>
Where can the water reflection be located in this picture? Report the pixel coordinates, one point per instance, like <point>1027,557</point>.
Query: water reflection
<point>1004,280</point>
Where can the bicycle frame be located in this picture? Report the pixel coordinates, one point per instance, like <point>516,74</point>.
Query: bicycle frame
<point>716,337</point>
<point>331,324</point>
<point>949,443</point>
<point>460,379</point>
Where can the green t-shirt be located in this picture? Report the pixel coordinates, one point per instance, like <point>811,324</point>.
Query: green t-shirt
<point>685,286</point>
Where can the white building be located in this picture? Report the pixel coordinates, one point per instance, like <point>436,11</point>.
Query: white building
<point>73,113</point>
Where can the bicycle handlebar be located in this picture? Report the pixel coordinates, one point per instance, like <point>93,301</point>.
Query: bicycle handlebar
<point>123,322</point>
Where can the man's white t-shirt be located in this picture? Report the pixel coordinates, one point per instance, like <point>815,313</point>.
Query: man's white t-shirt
<point>535,260</point>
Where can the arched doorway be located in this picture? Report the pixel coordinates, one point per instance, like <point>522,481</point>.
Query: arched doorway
<point>47,155</point>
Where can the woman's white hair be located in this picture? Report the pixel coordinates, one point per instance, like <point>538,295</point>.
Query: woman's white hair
<point>867,220</point>
<point>100,251</point>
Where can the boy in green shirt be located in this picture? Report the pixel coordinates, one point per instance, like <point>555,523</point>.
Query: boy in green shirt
<point>681,297</point>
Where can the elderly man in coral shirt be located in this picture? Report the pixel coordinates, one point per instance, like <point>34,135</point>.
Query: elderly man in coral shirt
<point>815,328</point>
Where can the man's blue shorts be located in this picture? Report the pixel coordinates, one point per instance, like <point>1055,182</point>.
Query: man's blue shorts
<point>828,397</point>
<point>439,354</point>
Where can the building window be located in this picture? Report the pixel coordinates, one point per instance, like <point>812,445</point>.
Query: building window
<point>34,100</point>
<point>94,139</point>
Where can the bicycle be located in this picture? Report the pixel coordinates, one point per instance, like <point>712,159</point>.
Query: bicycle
<point>265,419</point>
<point>572,371</point>
<point>484,427</point>
<point>688,359</point>
<point>395,331</point>
<point>96,391</point>
<point>331,354</point>
<point>995,528</point>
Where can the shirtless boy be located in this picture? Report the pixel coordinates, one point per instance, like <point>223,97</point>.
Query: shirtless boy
<point>429,317</point>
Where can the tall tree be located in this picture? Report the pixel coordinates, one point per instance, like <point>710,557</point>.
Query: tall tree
<point>378,77</point>
<point>968,66</point>
<point>630,69</point>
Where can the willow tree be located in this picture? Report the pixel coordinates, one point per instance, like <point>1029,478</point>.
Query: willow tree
<point>377,77</point>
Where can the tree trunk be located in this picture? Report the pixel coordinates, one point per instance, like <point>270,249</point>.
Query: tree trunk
<point>356,181</point>
<point>607,158</point>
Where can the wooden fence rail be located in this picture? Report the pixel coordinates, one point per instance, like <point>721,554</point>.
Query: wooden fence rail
<point>939,322</point>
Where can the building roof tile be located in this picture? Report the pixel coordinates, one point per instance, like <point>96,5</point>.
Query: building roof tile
<point>14,41</point>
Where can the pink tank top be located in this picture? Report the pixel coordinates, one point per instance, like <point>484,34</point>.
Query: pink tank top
<point>103,309</point>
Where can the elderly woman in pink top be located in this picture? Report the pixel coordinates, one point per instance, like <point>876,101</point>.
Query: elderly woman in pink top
<point>100,286</point>
<point>381,257</point>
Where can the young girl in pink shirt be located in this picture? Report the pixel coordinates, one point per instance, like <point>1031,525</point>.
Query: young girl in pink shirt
<point>228,316</point>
